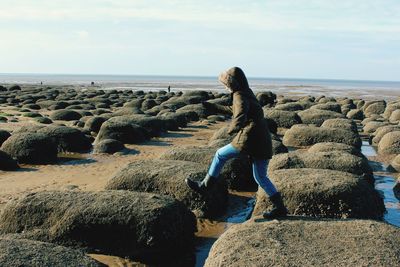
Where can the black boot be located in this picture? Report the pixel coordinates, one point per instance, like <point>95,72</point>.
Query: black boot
<point>279,209</point>
<point>203,186</point>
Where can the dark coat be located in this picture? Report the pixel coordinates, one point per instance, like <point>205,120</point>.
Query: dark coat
<point>248,123</point>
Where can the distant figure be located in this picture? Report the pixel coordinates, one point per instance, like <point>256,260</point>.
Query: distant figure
<point>169,89</point>
<point>41,83</point>
<point>92,83</point>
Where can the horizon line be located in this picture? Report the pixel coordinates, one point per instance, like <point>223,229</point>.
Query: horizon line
<point>192,76</point>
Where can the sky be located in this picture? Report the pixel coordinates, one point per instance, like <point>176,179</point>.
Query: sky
<point>353,39</point>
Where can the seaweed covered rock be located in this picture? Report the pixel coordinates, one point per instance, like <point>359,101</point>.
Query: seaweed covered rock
<point>108,146</point>
<point>318,116</point>
<point>266,98</point>
<point>390,143</point>
<point>67,138</point>
<point>7,163</point>
<point>382,131</point>
<point>332,160</point>
<point>332,106</point>
<point>374,107</point>
<point>372,126</point>
<point>93,124</point>
<point>282,118</point>
<point>330,146</point>
<point>395,116</point>
<point>24,252</point>
<point>168,177</point>
<point>4,135</point>
<point>395,164</point>
<point>65,115</point>
<point>31,148</point>
<point>307,242</point>
<point>122,129</point>
<point>44,120</point>
<point>117,222</point>
<point>237,172</point>
<point>199,109</point>
<point>303,136</point>
<point>355,114</point>
<point>345,124</point>
<point>323,193</point>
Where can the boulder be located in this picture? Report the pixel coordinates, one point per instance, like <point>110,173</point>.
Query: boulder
<point>381,131</point>
<point>4,135</point>
<point>355,114</point>
<point>395,164</point>
<point>390,143</point>
<point>266,98</point>
<point>330,146</point>
<point>114,222</point>
<point>323,193</point>
<point>108,146</point>
<point>304,136</point>
<point>14,87</point>
<point>345,124</point>
<point>332,160</point>
<point>200,110</point>
<point>122,129</point>
<point>390,108</point>
<point>318,116</point>
<point>24,252</point>
<point>375,107</point>
<point>291,106</point>
<point>332,106</point>
<point>372,126</point>
<point>7,163</point>
<point>31,148</point>
<point>93,124</point>
<point>68,139</point>
<point>44,120</point>
<point>167,177</point>
<point>307,242</point>
<point>396,189</point>
<point>65,115</point>
<point>237,172</point>
<point>282,118</point>
<point>395,116</point>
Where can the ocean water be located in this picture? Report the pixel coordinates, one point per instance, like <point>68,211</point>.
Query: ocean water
<point>286,85</point>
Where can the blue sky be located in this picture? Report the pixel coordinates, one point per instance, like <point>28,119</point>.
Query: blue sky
<point>283,38</point>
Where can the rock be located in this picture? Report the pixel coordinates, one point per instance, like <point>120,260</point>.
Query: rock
<point>24,252</point>
<point>395,116</point>
<point>381,131</point>
<point>303,136</point>
<point>109,146</point>
<point>122,129</point>
<point>372,126</point>
<point>390,108</point>
<point>323,193</point>
<point>4,135</point>
<point>167,177</point>
<point>282,118</point>
<point>68,139</point>
<point>332,160</point>
<point>396,189</point>
<point>236,172</point>
<point>93,124</point>
<point>317,116</point>
<point>375,107</point>
<point>14,88</point>
<point>113,222</point>
<point>331,106</point>
<point>345,124</point>
<point>7,163</point>
<point>390,143</point>
<point>291,106</point>
<point>395,164</point>
<point>307,242</point>
<point>44,120</point>
<point>330,146</point>
<point>266,98</point>
<point>31,148</point>
<point>65,115</point>
<point>199,109</point>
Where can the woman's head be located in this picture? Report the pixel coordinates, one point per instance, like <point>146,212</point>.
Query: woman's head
<point>234,79</point>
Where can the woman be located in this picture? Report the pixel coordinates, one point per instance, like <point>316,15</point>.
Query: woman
<point>252,137</point>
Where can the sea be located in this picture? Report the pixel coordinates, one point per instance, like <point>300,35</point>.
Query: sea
<point>291,86</point>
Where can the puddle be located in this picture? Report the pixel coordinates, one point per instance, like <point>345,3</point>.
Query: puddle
<point>74,159</point>
<point>384,183</point>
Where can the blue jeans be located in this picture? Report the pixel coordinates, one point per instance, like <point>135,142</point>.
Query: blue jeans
<point>259,168</point>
